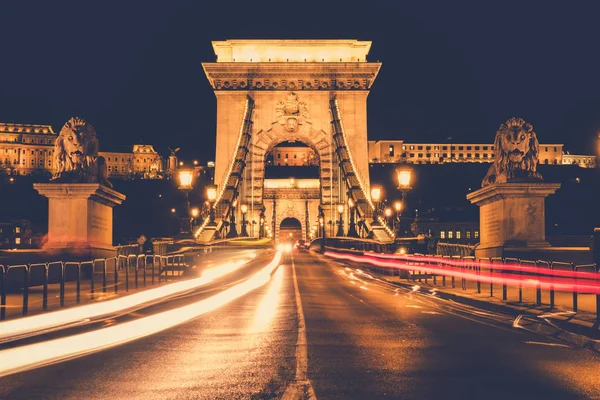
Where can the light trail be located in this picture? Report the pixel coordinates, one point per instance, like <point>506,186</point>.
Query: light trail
<point>23,326</point>
<point>541,282</point>
<point>419,259</point>
<point>268,307</point>
<point>45,353</point>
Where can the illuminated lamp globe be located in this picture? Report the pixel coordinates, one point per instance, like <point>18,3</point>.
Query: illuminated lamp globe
<point>375,193</point>
<point>211,193</point>
<point>186,177</point>
<point>404,176</point>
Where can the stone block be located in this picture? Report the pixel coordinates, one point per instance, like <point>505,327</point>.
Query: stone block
<point>80,217</point>
<point>511,215</point>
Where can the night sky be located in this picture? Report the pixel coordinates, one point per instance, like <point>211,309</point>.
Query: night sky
<point>133,69</point>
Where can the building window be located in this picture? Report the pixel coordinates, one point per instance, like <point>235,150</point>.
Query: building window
<point>476,234</point>
<point>391,150</point>
<point>445,155</point>
<point>546,148</point>
<point>436,148</point>
<point>458,234</point>
<point>428,155</point>
<point>476,155</point>
<point>108,158</point>
<point>460,155</point>
<point>412,155</point>
<point>428,148</point>
<point>555,149</point>
<point>436,155</point>
<point>449,234</point>
<point>484,155</point>
<point>412,147</point>
<point>420,155</point>
<point>468,147</point>
<point>444,147</point>
<point>476,147</point>
<point>469,155</point>
<point>420,148</point>
<point>485,147</point>
<point>17,240</point>
<point>468,234</point>
<point>278,155</point>
<point>17,229</point>
<point>295,155</point>
<point>442,234</point>
<point>461,147</point>
<point>546,161</point>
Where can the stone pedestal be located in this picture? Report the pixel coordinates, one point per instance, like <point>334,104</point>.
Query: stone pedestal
<point>80,218</point>
<point>512,217</point>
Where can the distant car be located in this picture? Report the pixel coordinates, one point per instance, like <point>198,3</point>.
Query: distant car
<point>300,245</point>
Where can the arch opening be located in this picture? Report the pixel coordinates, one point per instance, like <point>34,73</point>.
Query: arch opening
<point>290,230</point>
<point>292,158</point>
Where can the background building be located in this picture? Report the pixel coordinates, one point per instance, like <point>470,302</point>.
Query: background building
<point>26,149</point>
<point>398,151</point>
<point>15,234</point>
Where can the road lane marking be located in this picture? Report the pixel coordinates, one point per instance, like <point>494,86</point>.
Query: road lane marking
<point>548,344</point>
<point>296,389</point>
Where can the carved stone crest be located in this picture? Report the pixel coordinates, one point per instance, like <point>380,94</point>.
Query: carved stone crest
<point>289,111</point>
<point>291,107</point>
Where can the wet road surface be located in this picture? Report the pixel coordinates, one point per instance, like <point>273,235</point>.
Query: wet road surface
<point>364,339</point>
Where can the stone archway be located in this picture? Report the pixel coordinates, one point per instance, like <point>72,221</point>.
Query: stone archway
<point>290,229</point>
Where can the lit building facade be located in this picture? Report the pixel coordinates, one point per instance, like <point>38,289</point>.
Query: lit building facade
<point>15,234</point>
<point>26,148</point>
<point>399,151</point>
<point>143,162</point>
<point>295,156</point>
<point>581,160</point>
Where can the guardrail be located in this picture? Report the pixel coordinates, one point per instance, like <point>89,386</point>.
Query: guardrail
<point>25,276</point>
<point>455,249</point>
<point>355,244</point>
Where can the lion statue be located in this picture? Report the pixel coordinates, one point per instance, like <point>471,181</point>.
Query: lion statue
<point>76,155</point>
<point>516,154</point>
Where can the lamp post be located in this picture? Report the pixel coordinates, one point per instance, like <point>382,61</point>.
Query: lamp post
<point>398,209</point>
<point>351,228</point>
<point>211,194</point>
<point>388,214</point>
<point>194,213</point>
<point>261,227</point>
<point>244,232</point>
<point>340,210</point>
<point>375,196</point>
<point>232,228</point>
<point>186,177</point>
<point>322,227</point>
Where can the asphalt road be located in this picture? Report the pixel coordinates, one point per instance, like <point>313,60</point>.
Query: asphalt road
<point>364,339</point>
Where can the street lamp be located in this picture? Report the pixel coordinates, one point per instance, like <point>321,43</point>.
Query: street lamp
<point>322,225</point>
<point>186,178</point>
<point>398,208</point>
<point>292,182</point>
<point>375,196</point>
<point>211,194</point>
<point>244,209</point>
<point>194,213</point>
<point>340,231</point>
<point>261,226</point>
<point>232,228</point>
<point>388,214</point>
<point>351,225</point>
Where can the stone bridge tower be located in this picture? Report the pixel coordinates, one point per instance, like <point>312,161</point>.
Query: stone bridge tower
<point>273,91</point>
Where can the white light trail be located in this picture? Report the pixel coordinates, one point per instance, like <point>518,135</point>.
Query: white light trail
<point>40,354</point>
<point>23,326</point>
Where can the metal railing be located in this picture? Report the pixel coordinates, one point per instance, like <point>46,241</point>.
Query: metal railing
<point>24,276</point>
<point>455,249</point>
<point>504,267</point>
